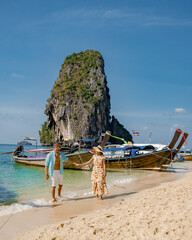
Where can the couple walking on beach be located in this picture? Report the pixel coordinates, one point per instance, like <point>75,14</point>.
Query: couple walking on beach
<point>54,169</point>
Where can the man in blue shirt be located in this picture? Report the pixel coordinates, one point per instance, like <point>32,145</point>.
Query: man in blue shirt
<point>54,168</point>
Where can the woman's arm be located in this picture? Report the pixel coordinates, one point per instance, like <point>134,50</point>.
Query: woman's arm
<point>104,167</point>
<point>86,163</point>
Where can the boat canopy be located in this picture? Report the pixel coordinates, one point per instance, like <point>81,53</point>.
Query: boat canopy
<point>115,149</point>
<point>147,147</point>
<point>144,147</point>
<point>30,139</point>
<point>87,140</point>
<point>40,150</point>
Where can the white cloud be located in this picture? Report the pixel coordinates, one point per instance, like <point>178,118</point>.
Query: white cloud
<point>179,110</point>
<point>144,18</point>
<point>15,75</point>
<point>129,16</point>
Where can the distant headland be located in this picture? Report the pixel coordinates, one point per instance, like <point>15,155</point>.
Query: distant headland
<point>24,143</point>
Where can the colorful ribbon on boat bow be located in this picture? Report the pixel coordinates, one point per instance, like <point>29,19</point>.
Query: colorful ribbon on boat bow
<point>178,130</point>
<point>117,137</point>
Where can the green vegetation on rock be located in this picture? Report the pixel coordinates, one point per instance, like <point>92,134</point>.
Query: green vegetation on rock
<point>46,135</point>
<point>76,82</point>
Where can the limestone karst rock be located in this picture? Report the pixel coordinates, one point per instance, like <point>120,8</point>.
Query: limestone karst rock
<point>79,105</point>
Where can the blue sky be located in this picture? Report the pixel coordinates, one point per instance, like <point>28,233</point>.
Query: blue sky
<point>147,50</point>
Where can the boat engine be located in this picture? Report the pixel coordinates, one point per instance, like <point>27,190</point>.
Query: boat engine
<point>18,150</point>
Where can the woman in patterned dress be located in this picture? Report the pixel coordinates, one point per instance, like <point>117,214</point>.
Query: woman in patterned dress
<point>98,181</point>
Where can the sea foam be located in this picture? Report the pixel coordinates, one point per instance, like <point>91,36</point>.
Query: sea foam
<point>124,181</point>
<point>20,207</point>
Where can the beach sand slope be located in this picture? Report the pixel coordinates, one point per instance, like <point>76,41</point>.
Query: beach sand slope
<point>163,212</point>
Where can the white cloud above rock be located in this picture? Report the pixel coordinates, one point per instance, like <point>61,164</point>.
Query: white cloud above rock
<point>179,110</point>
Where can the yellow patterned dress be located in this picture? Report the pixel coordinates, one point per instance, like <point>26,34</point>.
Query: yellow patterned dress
<point>99,186</point>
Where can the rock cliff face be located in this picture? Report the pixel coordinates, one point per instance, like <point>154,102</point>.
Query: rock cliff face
<point>118,130</point>
<point>79,105</point>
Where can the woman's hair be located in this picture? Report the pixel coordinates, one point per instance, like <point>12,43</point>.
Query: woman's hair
<point>100,153</point>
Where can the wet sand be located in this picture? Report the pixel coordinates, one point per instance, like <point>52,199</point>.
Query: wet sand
<point>18,226</point>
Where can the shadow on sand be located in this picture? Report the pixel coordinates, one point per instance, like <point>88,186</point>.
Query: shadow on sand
<point>104,197</point>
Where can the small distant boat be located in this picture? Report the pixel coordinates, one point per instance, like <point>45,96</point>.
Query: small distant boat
<point>187,156</point>
<point>36,157</point>
<point>39,156</point>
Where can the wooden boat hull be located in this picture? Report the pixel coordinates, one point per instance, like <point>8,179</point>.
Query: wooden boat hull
<point>154,160</point>
<point>40,161</point>
<point>187,158</point>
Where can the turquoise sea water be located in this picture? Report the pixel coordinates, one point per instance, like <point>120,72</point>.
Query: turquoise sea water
<point>23,187</point>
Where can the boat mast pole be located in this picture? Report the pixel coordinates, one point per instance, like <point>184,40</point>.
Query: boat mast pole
<point>36,146</point>
<point>150,135</point>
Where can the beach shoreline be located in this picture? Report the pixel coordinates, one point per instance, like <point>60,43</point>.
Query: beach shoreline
<point>30,220</point>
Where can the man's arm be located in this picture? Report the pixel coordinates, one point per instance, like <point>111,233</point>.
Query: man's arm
<point>46,172</point>
<point>70,161</point>
<point>47,160</point>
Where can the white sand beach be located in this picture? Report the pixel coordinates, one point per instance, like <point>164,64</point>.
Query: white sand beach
<point>157,207</point>
<point>161,212</point>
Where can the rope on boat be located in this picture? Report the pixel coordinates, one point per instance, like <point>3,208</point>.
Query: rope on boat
<point>163,157</point>
<point>159,157</point>
<point>80,158</point>
<point>170,160</point>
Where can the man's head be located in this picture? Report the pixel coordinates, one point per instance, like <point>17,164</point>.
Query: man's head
<point>57,146</point>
